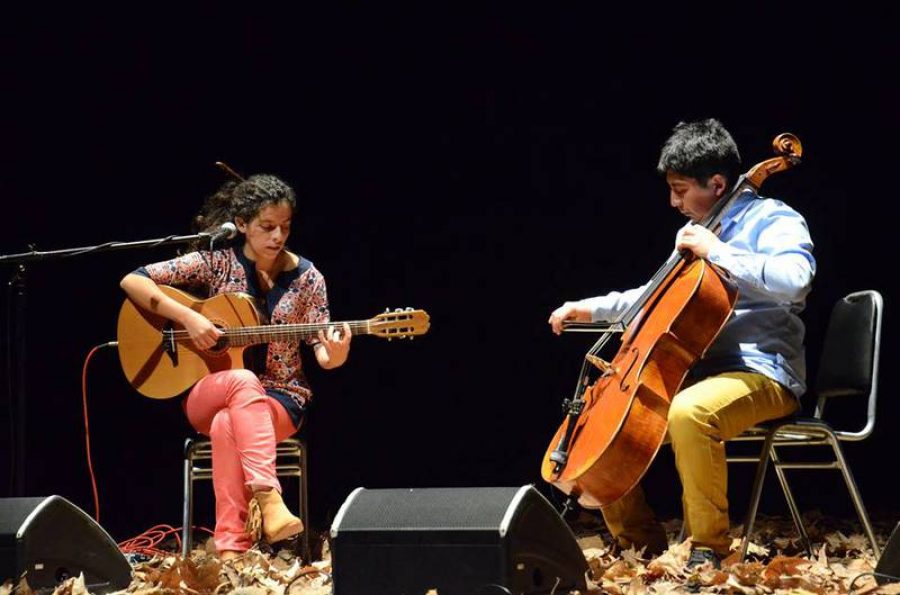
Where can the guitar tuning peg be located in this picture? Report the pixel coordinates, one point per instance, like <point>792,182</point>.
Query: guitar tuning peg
<point>398,310</point>
<point>408,309</point>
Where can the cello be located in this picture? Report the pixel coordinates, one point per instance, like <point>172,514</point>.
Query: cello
<point>617,419</point>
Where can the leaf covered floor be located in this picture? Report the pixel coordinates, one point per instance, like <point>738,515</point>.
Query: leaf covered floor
<point>777,564</point>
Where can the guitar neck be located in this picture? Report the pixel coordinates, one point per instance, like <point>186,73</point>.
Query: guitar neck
<point>252,335</point>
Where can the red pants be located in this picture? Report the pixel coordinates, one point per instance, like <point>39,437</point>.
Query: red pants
<point>244,425</point>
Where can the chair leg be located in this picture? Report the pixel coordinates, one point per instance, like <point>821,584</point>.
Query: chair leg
<point>854,494</point>
<point>187,516</point>
<point>304,502</point>
<point>685,528</point>
<point>792,504</point>
<point>756,494</point>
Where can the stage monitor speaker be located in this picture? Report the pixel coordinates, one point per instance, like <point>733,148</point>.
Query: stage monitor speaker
<point>888,568</point>
<point>50,539</point>
<point>460,541</point>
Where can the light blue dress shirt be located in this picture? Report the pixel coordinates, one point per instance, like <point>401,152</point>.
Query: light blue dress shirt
<point>766,247</point>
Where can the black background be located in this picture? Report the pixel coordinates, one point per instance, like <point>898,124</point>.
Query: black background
<point>483,165</point>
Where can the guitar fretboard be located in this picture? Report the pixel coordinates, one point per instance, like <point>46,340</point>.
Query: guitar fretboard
<point>252,335</point>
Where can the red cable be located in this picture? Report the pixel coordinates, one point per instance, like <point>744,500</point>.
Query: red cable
<point>87,431</point>
<point>146,542</point>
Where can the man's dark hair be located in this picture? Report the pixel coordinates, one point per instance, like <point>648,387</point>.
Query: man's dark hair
<point>700,150</point>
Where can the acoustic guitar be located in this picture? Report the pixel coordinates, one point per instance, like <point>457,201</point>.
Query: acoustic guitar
<point>161,362</point>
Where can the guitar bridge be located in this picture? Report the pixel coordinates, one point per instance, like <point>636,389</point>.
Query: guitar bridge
<point>169,345</point>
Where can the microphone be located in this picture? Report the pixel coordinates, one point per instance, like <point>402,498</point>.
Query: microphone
<point>226,231</point>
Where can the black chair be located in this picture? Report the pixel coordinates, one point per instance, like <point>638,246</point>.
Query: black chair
<point>848,369</point>
<point>291,461</point>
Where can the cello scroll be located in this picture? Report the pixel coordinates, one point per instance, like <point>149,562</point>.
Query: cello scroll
<point>789,150</point>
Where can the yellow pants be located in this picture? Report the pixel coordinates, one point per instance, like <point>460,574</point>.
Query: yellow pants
<point>701,418</point>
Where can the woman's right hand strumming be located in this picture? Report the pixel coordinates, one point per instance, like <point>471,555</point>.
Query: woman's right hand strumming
<point>203,333</point>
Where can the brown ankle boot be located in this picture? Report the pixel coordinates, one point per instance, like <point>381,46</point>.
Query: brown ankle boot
<point>277,521</point>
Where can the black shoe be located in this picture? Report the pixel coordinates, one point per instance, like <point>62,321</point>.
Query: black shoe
<point>700,555</point>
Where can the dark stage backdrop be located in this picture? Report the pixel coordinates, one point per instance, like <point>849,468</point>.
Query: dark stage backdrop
<point>483,166</point>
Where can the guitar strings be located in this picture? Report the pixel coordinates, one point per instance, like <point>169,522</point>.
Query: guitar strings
<point>278,331</point>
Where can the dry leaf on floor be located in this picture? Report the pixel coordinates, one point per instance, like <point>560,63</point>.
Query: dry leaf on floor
<point>72,586</point>
<point>842,555</point>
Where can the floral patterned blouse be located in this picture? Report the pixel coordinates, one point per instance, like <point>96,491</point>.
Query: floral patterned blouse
<point>297,296</point>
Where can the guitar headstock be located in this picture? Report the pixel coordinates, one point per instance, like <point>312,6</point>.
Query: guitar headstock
<point>400,324</point>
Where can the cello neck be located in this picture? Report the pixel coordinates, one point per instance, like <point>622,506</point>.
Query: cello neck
<point>711,222</point>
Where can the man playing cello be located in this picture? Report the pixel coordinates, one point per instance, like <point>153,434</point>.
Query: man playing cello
<point>754,370</point>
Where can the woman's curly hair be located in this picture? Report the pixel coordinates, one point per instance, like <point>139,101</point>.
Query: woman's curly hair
<point>244,199</point>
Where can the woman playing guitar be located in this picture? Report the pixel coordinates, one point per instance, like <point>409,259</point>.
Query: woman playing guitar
<point>754,370</point>
<point>246,413</point>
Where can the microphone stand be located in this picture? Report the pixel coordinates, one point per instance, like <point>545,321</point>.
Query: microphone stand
<point>16,336</point>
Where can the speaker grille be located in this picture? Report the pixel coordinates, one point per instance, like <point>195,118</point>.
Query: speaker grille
<point>14,511</point>
<point>51,538</point>
<point>444,508</point>
<point>460,541</point>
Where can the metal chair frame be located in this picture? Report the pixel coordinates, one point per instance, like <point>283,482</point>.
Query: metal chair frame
<point>291,461</point>
<point>813,431</point>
